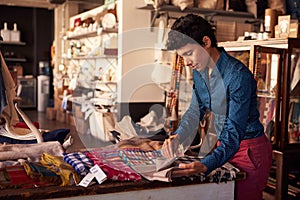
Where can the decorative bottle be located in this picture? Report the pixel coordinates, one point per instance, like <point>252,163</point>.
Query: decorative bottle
<point>15,34</point>
<point>5,33</point>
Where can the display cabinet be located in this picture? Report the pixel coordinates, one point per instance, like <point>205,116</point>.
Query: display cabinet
<point>28,92</point>
<point>275,64</point>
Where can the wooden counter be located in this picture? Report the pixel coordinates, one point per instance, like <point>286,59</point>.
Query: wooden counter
<point>128,190</point>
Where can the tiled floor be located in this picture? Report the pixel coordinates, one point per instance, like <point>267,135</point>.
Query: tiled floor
<point>44,123</point>
<point>80,141</point>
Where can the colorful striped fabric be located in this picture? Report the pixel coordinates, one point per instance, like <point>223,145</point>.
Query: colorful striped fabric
<point>79,161</point>
<point>113,165</point>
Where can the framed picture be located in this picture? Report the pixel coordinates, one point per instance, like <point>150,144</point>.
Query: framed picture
<point>284,26</point>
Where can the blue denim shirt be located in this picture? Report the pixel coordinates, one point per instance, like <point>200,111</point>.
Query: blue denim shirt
<point>230,93</point>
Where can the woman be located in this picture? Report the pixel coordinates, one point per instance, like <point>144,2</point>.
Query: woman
<point>226,87</point>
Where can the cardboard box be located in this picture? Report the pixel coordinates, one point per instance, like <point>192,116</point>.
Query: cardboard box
<point>81,125</point>
<point>61,116</point>
<point>50,113</point>
<point>71,120</point>
<point>294,30</point>
<point>77,112</point>
<point>68,117</point>
<point>231,30</point>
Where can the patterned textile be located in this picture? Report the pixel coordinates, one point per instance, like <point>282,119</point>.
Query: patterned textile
<point>61,168</point>
<point>79,161</point>
<point>133,156</point>
<point>16,177</point>
<point>150,165</point>
<point>112,164</point>
<point>227,172</point>
<point>37,171</point>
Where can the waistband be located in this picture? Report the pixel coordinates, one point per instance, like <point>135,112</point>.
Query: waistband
<point>260,139</point>
<point>248,142</point>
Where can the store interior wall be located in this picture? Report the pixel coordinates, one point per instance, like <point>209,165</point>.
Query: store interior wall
<point>137,92</point>
<point>36,26</point>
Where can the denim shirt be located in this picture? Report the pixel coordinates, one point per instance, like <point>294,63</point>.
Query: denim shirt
<point>230,93</point>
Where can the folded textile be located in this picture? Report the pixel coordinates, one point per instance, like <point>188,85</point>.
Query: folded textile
<point>57,164</point>
<point>227,172</point>
<point>127,128</point>
<point>30,152</point>
<point>38,171</point>
<point>144,144</point>
<point>79,161</point>
<point>135,156</point>
<point>113,165</point>
<point>54,135</point>
<point>145,163</point>
<point>23,133</point>
<point>149,125</point>
<point>7,163</point>
<point>16,177</point>
<point>24,125</point>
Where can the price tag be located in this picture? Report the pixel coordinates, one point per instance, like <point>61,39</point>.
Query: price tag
<point>87,180</point>
<point>98,173</point>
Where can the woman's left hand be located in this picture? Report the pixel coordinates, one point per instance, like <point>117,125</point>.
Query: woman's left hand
<point>189,169</point>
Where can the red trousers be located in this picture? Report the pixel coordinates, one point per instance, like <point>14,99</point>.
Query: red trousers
<point>255,158</point>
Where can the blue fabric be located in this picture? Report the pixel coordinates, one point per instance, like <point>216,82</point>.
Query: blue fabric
<point>55,135</point>
<point>79,161</point>
<point>230,93</point>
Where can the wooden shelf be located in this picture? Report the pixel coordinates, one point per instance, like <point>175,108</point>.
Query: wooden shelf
<point>205,12</point>
<point>91,57</point>
<point>15,59</point>
<point>12,43</point>
<point>246,45</point>
<point>91,34</point>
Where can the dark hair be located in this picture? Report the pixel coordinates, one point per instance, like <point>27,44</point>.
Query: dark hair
<point>190,29</point>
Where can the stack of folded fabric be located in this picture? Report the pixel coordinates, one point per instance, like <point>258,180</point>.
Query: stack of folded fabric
<point>17,177</point>
<point>79,161</point>
<point>113,165</point>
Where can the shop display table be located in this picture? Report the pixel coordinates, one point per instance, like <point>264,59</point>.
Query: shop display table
<point>129,190</point>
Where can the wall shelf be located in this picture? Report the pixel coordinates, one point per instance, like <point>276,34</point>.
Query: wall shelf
<point>13,43</point>
<point>91,34</point>
<point>15,59</point>
<point>92,57</point>
<point>206,12</point>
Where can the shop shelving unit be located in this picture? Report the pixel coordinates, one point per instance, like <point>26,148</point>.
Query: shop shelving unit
<point>90,60</point>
